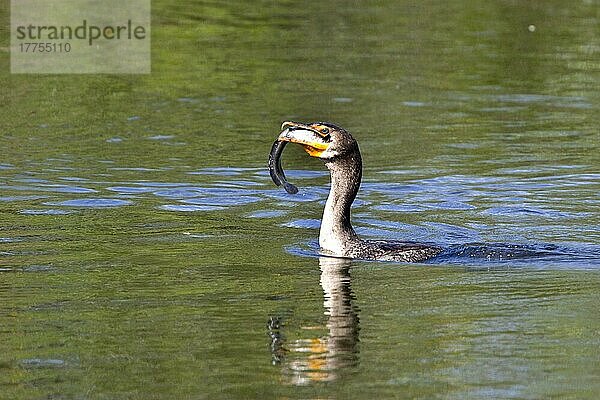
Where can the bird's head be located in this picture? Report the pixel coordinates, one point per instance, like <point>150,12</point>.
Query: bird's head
<point>323,140</point>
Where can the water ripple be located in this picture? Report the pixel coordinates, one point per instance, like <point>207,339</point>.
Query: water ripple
<point>42,363</point>
<point>52,188</point>
<point>222,201</point>
<point>92,203</point>
<point>45,212</point>
<point>304,223</point>
<point>189,207</point>
<point>179,193</point>
<point>221,171</point>
<point>130,189</point>
<point>515,204</point>
<point>266,214</point>
<point>21,198</point>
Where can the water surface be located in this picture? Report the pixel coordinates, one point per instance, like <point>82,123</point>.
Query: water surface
<point>145,253</point>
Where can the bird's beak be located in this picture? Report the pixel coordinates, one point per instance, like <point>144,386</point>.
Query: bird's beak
<point>312,141</point>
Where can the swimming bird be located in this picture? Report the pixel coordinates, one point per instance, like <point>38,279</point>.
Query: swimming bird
<point>339,150</point>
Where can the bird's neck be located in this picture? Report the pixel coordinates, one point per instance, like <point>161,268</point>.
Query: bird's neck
<point>337,235</point>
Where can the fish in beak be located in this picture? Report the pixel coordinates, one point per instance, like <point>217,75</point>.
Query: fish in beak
<point>315,143</point>
<point>275,169</point>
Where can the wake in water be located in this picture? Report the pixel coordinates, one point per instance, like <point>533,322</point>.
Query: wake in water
<point>571,255</point>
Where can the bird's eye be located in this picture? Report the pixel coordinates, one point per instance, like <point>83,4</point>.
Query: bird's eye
<point>325,131</point>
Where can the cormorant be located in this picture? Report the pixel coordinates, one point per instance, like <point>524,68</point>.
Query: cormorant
<point>339,150</point>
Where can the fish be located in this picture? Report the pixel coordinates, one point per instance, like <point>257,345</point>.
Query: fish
<point>275,169</point>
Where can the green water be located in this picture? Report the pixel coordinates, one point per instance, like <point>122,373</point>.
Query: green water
<point>145,254</point>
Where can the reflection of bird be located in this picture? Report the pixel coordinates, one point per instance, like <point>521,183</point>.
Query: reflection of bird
<point>327,357</point>
<point>338,149</point>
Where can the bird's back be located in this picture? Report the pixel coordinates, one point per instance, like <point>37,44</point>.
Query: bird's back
<point>394,251</point>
